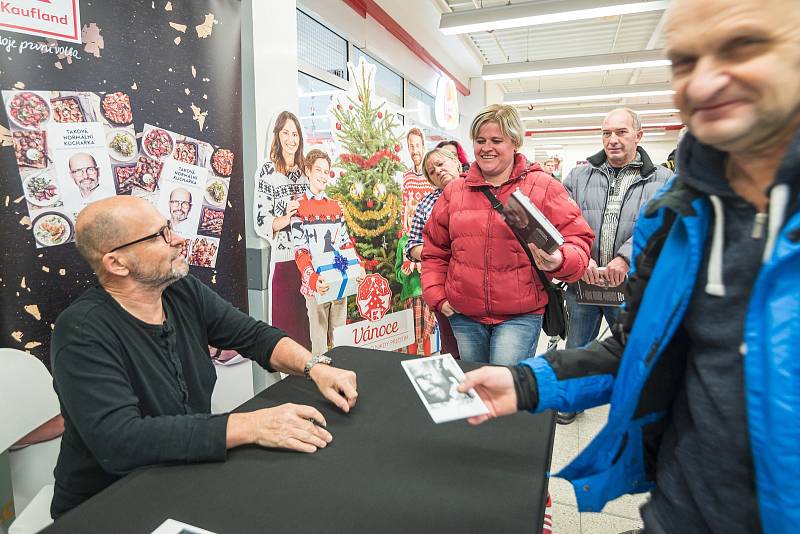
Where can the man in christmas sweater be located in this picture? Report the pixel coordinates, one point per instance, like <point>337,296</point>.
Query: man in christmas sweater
<point>408,272</point>
<point>318,226</point>
<point>415,185</point>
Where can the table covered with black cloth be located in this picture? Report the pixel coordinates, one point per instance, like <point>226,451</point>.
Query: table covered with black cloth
<point>388,469</point>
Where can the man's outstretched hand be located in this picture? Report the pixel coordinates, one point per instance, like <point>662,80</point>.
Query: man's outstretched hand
<point>495,387</point>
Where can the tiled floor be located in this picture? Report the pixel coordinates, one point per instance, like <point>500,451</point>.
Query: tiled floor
<point>619,515</point>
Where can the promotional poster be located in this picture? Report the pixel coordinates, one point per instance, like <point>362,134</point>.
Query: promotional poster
<point>106,114</point>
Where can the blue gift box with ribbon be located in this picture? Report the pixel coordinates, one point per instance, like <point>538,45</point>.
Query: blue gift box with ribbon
<point>340,270</point>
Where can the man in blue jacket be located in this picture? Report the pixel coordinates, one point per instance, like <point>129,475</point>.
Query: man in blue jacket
<point>703,370</point>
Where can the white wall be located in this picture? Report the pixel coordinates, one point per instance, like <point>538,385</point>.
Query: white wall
<point>657,150</point>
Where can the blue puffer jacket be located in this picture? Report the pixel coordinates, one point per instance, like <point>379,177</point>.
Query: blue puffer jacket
<point>638,370</point>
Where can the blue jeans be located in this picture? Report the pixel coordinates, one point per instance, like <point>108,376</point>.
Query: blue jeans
<point>506,343</point>
<point>585,320</point>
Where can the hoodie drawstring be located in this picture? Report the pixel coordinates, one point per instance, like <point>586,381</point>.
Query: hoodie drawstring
<point>714,283</point>
<point>778,201</point>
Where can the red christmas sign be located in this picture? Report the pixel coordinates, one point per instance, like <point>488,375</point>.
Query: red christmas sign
<point>373,297</point>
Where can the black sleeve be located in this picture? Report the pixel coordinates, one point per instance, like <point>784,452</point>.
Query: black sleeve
<point>230,329</point>
<point>97,397</point>
<point>525,387</point>
<point>596,358</point>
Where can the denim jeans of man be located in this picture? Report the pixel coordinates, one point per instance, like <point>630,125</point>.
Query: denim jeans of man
<point>585,320</point>
<point>505,343</point>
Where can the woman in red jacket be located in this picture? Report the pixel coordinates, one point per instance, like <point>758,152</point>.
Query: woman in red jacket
<point>474,270</point>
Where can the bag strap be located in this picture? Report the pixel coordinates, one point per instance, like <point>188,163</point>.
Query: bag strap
<point>496,204</point>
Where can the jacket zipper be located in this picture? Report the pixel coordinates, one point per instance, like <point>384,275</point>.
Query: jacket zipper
<point>602,217</point>
<point>486,260</point>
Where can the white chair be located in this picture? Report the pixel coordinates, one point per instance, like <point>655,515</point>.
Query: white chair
<point>27,400</point>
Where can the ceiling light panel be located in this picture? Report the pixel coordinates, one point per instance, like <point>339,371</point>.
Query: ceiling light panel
<point>588,94</point>
<point>576,65</point>
<point>540,13</point>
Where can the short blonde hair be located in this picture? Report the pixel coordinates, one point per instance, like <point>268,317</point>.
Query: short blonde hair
<point>506,117</point>
<point>436,151</point>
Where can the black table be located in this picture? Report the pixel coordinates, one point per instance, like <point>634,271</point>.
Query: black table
<point>388,469</point>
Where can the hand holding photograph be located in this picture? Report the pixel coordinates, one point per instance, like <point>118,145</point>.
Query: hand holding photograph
<point>436,380</point>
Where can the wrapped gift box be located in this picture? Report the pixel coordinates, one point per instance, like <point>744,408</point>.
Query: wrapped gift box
<point>340,270</point>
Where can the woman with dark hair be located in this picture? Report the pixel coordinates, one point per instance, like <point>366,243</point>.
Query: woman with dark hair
<point>455,147</point>
<point>279,183</point>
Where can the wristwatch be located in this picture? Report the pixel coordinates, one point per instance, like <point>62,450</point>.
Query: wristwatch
<point>314,361</point>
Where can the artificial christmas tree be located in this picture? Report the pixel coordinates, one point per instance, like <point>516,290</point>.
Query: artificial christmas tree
<point>366,185</point>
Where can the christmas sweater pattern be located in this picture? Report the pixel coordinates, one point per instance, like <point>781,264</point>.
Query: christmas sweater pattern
<point>273,192</point>
<point>415,186</point>
<point>318,225</point>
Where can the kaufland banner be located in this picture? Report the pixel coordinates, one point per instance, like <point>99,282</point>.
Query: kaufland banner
<point>52,19</point>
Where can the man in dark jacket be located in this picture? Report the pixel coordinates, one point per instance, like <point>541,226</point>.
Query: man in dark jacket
<point>131,364</point>
<point>702,372</point>
<point>610,190</point>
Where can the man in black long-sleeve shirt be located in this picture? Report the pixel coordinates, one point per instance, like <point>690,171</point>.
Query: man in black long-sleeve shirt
<point>131,366</point>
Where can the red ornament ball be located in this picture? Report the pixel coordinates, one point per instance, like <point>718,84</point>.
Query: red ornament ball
<point>397,148</point>
<point>333,174</point>
<point>350,106</point>
<point>380,115</point>
<point>370,204</point>
<point>339,107</point>
<point>338,126</point>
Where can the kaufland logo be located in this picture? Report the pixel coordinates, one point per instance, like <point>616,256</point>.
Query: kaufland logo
<point>54,19</point>
<point>33,12</point>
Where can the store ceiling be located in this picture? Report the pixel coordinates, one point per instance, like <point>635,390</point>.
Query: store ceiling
<point>616,34</point>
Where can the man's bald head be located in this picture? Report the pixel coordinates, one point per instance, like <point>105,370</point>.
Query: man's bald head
<point>108,223</point>
<point>734,70</point>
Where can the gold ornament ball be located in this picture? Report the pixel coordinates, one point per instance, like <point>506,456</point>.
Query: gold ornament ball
<point>379,192</point>
<point>357,190</point>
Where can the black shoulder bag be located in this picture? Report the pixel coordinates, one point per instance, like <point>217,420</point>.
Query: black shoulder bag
<point>556,319</point>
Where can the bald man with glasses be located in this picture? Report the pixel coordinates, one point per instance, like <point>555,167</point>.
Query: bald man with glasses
<point>85,173</point>
<point>131,366</point>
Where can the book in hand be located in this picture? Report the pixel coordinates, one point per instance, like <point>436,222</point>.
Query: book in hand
<point>529,223</point>
<point>436,380</point>
<point>600,294</point>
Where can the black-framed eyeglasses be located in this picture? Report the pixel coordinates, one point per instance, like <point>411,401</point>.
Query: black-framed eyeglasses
<point>165,232</point>
<point>85,171</point>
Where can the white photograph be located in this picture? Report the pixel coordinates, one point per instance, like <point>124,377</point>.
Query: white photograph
<point>436,380</point>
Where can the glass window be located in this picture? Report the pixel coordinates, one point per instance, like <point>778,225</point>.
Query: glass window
<point>314,98</point>
<point>320,46</point>
<point>419,105</point>
<point>388,83</point>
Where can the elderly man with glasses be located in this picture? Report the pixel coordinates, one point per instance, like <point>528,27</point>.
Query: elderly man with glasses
<point>131,365</point>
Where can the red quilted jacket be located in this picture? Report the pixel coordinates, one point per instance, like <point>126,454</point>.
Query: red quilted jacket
<point>472,259</point>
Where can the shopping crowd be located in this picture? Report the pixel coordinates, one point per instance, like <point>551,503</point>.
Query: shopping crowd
<point>700,369</point>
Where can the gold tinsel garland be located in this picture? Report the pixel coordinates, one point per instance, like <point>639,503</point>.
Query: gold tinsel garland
<point>389,209</point>
<point>371,215</point>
